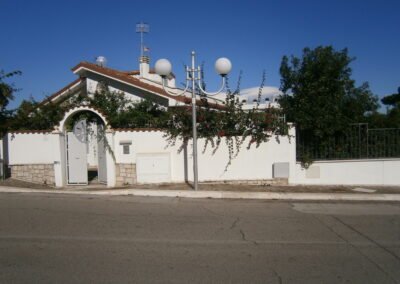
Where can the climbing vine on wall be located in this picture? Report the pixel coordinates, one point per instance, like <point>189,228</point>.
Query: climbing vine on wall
<point>231,124</point>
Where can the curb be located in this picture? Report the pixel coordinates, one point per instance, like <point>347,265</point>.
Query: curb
<point>217,194</point>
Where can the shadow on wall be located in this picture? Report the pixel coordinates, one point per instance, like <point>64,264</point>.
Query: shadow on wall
<point>185,162</point>
<point>4,171</point>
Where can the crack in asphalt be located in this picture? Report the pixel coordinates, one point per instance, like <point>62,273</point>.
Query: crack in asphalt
<point>211,211</point>
<point>244,238</point>
<point>278,276</point>
<point>368,238</point>
<point>243,235</point>
<point>355,247</point>
<point>234,223</point>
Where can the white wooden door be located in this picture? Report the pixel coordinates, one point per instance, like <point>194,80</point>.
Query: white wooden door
<point>153,168</point>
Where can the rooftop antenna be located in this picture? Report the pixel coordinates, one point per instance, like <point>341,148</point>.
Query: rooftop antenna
<point>142,28</point>
<point>101,61</point>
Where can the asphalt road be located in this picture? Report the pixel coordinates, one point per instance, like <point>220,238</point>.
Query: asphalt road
<point>82,239</point>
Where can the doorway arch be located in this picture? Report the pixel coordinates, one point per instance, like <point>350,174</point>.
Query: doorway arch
<point>73,111</point>
<point>74,151</point>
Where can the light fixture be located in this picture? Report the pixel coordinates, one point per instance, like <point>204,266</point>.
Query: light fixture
<point>222,66</point>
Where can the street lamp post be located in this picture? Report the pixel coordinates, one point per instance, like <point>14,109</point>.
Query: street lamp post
<point>163,68</point>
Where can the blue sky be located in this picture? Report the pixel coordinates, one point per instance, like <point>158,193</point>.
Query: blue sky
<point>45,39</point>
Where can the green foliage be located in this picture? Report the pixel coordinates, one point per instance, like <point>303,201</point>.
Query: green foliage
<point>232,124</point>
<point>7,91</point>
<point>391,100</point>
<point>319,94</point>
<point>393,113</point>
<point>34,116</point>
<point>393,118</point>
<point>120,112</point>
<point>123,113</point>
<point>321,98</point>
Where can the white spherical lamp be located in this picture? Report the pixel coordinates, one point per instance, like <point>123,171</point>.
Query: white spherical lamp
<point>163,67</point>
<point>223,66</point>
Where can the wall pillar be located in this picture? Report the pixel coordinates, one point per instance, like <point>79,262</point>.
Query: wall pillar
<point>292,154</point>
<point>59,159</point>
<point>110,158</point>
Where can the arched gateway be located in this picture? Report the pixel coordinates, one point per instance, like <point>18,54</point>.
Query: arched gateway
<point>83,138</point>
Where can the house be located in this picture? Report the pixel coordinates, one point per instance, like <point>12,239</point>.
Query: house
<point>136,85</point>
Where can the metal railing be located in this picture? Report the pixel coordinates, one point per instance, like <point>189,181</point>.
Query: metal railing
<point>383,143</point>
<point>359,142</point>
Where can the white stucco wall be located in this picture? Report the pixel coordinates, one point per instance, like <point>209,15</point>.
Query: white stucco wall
<point>91,86</point>
<point>349,172</point>
<point>33,148</point>
<point>255,163</point>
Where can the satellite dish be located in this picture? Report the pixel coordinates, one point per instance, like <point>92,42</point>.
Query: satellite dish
<point>101,61</point>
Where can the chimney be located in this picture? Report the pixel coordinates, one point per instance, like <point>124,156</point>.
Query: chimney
<point>144,66</point>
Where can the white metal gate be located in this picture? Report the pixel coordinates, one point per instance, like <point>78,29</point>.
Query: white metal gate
<point>77,170</point>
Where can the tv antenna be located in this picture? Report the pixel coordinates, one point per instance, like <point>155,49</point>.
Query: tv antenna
<point>142,28</point>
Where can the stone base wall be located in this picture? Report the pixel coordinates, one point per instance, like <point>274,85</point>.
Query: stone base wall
<point>125,174</point>
<point>36,173</point>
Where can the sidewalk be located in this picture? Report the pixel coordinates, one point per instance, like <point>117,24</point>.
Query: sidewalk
<point>222,191</point>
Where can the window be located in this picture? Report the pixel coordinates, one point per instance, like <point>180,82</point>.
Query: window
<point>126,149</point>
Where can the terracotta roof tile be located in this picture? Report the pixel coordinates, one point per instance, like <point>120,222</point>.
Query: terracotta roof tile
<point>125,77</point>
<point>50,98</point>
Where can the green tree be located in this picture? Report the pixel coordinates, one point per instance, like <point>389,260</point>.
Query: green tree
<point>392,100</point>
<point>31,115</point>
<point>120,112</point>
<point>7,91</point>
<point>393,113</point>
<point>123,113</point>
<point>319,94</point>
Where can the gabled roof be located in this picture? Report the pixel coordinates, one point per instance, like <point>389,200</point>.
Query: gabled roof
<point>67,88</point>
<point>126,78</point>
